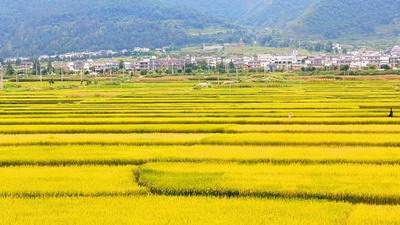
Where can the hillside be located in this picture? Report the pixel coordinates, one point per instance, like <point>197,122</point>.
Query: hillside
<point>326,19</point>
<point>231,10</point>
<point>275,13</point>
<point>254,13</point>
<point>55,26</point>
<point>43,26</point>
<point>349,18</point>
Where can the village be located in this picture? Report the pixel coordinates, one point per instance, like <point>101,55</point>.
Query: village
<point>149,61</point>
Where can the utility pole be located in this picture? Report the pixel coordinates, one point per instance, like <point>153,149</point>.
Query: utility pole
<point>1,80</point>
<point>62,74</point>
<point>184,66</point>
<point>40,72</point>
<point>36,70</point>
<point>265,74</point>
<point>218,73</point>
<point>227,69</point>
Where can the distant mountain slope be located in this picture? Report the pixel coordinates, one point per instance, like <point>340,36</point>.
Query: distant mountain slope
<point>32,27</point>
<point>50,26</point>
<point>275,13</point>
<point>249,12</point>
<point>347,18</point>
<point>329,19</point>
<point>225,9</point>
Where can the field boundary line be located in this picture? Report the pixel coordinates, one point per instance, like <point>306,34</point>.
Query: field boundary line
<point>139,162</point>
<point>39,194</point>
<point>201,142</point>
<point>211,131</point>
<point>205,122</point>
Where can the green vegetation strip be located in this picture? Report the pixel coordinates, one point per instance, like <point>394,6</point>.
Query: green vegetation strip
<point>205,121</point>
<point>370,184</point>
<point>194,128</point>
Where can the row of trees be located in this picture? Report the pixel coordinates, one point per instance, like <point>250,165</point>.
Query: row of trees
<point>190,69</point>
<point>343,68</point>
<point>37,68</point>
<point>279,41</point>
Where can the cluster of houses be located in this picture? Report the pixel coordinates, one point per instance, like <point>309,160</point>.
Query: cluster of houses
<point>73,56</point>
<point>141,64</point>
<point>355,60</point>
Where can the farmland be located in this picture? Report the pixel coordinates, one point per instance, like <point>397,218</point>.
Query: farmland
<point>287,152</point>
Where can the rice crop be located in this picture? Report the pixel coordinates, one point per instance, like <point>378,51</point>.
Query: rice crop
<point>298,152</point>
<point>136,155</point>
<point>66,181</point>
<point>190,211</point>
<point>196,128</point>
<point>306,139</point>
<point>198,120</point>
<point>353,183</point>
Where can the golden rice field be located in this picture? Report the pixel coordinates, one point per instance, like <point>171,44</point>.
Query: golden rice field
<point>292,153</point>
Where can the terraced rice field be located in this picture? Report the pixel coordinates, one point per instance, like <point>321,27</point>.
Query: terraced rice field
<point>298,152</point>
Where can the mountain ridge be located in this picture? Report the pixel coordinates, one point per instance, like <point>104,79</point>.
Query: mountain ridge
<point>54,26</point>
<point>79,25</point>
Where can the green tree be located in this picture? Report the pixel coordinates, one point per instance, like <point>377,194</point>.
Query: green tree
<point>50,68</point>
<point>189,68</point>
<point>10,69</point>
<point>231,67</point>
<point>36,67</point>
<point>221,68</point>
<point>18,62</point>
<point>344,68</point>
<point>121,65</point>
<point>385,67</point>
<point>143,72</point>
<point>202,65</point>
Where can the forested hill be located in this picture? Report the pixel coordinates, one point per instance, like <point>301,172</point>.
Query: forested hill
<point>318,18</point>
<point>249,12</point>
<point>231,10</point>
<point>328,19</point>
<point>350,18</point>
<point>49,26</point>
<point>275,13</point>
<point>30,27</point>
